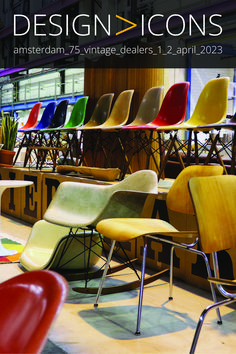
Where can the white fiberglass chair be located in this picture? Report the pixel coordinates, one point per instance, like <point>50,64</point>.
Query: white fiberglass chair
<point>66,238</point>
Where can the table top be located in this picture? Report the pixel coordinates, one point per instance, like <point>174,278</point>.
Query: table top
<point>14,183</point>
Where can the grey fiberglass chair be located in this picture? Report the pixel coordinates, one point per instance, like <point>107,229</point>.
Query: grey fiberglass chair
<point>68,228</point>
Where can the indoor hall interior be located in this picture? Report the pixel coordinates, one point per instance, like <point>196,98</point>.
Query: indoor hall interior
<point>167,327</point>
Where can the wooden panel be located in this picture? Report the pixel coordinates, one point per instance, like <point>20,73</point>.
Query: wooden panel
<point>23,203</point>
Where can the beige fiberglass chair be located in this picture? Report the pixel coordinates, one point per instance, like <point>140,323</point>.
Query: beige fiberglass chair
<point>118,117</point>
<point>66,239</point>
<point>178,200</point>
<point>214,201</point>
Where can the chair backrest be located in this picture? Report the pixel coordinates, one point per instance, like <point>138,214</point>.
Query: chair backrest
<point>120,111</point>
<point>149,106</point>
<point>31,301</point>
<point>90,200</point>
<point>78,113</point>
<point>60,115</point>
<point>211,107</point>
<point>47,116</point>
<point>214,200</point>
<point>174,105</point>
<point>101,111</point>
<point>178,198</point>
<point>33,117</point>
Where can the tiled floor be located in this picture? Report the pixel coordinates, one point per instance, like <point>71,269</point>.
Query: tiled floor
<point>166,327</point>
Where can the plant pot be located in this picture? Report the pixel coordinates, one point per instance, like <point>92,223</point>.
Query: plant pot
<point>6,157</point>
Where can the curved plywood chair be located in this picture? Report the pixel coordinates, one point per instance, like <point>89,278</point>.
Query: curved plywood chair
<point>127,229</point>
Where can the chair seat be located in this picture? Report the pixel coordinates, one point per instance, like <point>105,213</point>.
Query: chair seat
<point>43,252</point>
<point>124,229</point>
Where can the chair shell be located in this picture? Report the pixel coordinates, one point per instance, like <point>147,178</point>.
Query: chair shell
<point>44,252</point>
<point>211,107</point>
<point>90,201</point>
<point>77,115</point>
<point>120,111</point>
<point>149,107</point>
<point>82,205</point>
<point>101,111</point>
<point>46,118</point>
<point>33,117</point>
<point>32,302</point>
<point>59,117</point>
<point>173,108</point>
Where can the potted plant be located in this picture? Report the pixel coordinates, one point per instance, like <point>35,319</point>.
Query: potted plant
<point>9,133</point>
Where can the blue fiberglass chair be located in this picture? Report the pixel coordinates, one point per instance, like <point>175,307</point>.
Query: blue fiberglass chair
<point>44,137</point>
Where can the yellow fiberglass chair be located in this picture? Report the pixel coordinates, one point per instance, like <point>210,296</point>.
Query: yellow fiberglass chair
<point>66,239</point>
<point>211,108</point>
<point>214,201</point>
<point>178,200</point>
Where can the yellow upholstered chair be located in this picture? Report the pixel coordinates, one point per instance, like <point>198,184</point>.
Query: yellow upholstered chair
<point>214,201</point>
<point>127,229</point>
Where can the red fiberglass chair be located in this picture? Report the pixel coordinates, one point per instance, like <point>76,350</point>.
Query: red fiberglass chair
<point>33,117</point>
<point>30,303</point>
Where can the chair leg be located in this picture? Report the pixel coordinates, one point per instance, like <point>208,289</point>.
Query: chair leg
<point>104,274</point>
<point>141,287</point>
<point>201,320</point>
<point>171,272</point>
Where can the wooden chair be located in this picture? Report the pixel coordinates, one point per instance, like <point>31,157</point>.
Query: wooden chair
<point>127,229</point>
<point>214,201</point>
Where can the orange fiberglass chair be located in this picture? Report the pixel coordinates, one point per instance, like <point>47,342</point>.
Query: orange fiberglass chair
<point>127,229</point>
<point>211,108</point>
<point>30,304</point>
<point>172,112</point>
<point>214,200</point>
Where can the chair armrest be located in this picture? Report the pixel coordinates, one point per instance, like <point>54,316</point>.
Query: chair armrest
<point>222,281</point>
<point>123,204</point>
